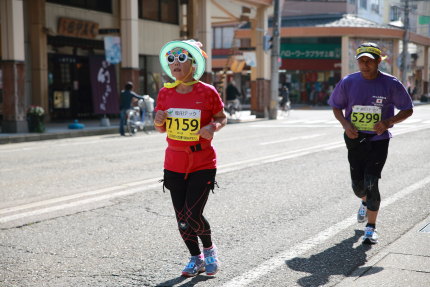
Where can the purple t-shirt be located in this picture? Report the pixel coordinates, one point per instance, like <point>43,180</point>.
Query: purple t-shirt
<point>385,92</point>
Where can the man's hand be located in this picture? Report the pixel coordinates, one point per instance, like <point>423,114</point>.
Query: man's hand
<point>381,126</point>
<point>350,130</point>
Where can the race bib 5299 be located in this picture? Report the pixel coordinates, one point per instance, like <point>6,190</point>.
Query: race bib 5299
<point>365,117</point>
<point>182,124</point>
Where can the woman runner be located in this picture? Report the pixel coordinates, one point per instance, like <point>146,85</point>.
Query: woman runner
<point>190,112</point>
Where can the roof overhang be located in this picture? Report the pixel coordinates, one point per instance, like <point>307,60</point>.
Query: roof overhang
<point>366,32</point>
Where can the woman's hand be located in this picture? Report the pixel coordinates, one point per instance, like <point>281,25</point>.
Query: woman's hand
<point>207,132</point>
<point>160,118</point>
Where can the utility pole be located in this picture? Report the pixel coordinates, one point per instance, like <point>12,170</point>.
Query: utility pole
<point>404,65</point>
<point>274,83</point>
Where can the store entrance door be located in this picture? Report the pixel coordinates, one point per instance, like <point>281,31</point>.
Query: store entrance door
<point>69,87</point>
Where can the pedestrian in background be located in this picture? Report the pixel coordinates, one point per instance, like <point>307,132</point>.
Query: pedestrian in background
<point>369,98</point>
<point>232,97</point>
<point>285,98</point>
<point>190,112</point>
<point>126,101</point>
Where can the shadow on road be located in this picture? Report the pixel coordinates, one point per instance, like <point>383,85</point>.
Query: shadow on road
<point>178,280</point>
<point>340,259</point>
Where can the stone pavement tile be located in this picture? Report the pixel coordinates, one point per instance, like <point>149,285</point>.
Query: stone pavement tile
<point>403,263</point>
<point>406,262</point>
<point>392,278</point>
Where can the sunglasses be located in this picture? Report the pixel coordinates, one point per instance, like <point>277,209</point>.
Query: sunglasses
<point>182,58</point>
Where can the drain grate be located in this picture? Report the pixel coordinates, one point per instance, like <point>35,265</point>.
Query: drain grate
<point>426,228</point>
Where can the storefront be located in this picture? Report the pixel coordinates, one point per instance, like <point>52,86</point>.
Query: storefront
<point>310,68</point>
<point>81,83</point>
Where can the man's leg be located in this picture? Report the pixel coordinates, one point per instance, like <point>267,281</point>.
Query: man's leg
<point>121,122</point>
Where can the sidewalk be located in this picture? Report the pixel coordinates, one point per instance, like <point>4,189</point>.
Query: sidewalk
<point>60,130</point>
<point>403,263</point>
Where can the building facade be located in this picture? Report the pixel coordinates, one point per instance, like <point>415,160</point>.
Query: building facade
<point>319,38</point>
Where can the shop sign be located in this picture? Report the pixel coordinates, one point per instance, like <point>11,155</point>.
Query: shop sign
<point>103,85</point>
<point>77,28</point>
<point>311,51</point>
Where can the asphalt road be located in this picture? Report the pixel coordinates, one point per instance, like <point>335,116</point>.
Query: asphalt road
<point>91,212</point>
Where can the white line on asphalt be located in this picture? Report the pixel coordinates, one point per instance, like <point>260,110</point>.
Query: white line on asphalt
<point>73,204</point>
<point>292,139</point>
<point>42,207</point>
<point>298,126</point>
<point>76,196</point>
<point>279,260</point>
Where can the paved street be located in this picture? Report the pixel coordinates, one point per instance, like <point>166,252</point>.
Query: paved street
<point>90,211</point>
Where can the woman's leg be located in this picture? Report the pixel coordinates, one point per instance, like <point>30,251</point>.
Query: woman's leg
<point>200,184</point>
<point>177,186</point>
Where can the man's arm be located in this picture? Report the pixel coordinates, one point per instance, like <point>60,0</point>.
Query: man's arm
<point>384,125</point>
<point>349,128</point>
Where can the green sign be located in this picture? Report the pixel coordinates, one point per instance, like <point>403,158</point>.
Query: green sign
<point>311,51</point>
<point>423,20</point>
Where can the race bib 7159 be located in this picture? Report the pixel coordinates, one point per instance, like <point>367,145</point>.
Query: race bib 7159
<point>182,124</point>
<point>365,117</point>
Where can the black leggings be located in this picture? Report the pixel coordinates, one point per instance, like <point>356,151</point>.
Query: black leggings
<point>189,197</point>
<point>366,162</point>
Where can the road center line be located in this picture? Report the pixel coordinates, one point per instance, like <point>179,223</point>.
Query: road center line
<point>299,249</point>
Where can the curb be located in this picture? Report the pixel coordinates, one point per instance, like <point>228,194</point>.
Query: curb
<point>55,135</point>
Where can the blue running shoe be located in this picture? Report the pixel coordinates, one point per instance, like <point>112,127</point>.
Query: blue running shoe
<point>370,235</point>
<point>194,267</point>
<point>211,260</point>
<point>362,214</point>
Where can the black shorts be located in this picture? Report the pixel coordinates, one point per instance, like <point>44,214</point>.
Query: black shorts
<point>366,157</point>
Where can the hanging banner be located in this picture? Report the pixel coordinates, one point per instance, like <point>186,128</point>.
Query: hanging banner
<point>113,49</point>
<point>103,86</point>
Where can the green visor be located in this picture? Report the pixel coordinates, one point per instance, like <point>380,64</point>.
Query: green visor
<point>192,48</point>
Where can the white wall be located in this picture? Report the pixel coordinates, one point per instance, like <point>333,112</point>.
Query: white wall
<point>153,35</point>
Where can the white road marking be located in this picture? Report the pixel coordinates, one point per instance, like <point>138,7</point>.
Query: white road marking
<point>279,260</point>
<point>292,139</point>
<point>43,207</point>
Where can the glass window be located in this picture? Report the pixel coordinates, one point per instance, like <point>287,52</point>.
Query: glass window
<point>166,11</point>
<point>395,13</point>
<point>227,37</point>
<point>363,4</point>
<point>374,6</point>
<point>151,77</point>
<point>97,5</point>
<point>149,10</point>
<point>217,38</point>
<point>223,37</point>
<point>169,11</point>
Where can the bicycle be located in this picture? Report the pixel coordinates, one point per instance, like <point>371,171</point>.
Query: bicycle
<point>284,108</point>
<point>233,107</point>
<point>133,120</point>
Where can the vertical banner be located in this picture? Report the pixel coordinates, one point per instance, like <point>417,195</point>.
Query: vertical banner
<point>103,86</point>
<point>113,49</point>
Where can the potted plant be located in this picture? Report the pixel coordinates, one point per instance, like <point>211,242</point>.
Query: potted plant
<point>35,116</point>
